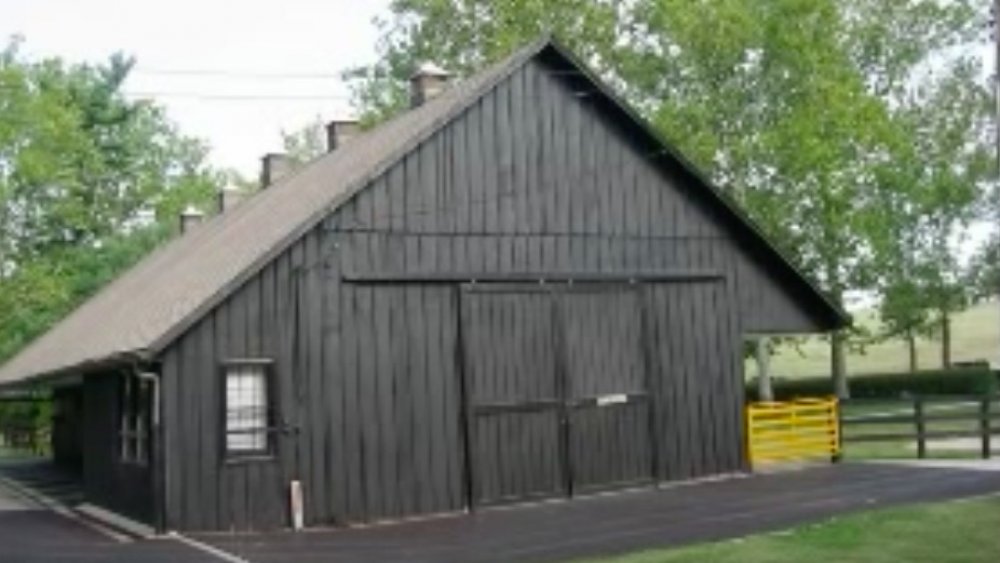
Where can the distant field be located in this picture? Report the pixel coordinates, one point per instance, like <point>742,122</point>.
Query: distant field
<point>976,335</point>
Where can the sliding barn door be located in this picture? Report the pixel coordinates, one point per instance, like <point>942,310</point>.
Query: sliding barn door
<point>606,388</point>
<point>556,385</point>
<point>696,357</point>
<point>513,393</point>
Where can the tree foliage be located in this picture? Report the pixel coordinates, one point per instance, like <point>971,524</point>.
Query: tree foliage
<point>982,276</point>
<point>89,182</point>
<point>936,187</point>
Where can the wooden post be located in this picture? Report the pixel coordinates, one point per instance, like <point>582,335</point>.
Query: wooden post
<point>984,425</point>
<point>918,415</point>
<point>765,391</point>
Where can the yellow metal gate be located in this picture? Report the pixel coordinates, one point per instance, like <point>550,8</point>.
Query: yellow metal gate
<point>795,430</point>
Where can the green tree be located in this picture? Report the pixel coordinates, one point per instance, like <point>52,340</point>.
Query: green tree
<point>934,189</point>
<point>983,272</point>
<point>952,136</point>
<point>927,63</point>
<point>765,97</point>
<point>89,182</point>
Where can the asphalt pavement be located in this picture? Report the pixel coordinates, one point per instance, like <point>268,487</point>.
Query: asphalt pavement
<point>555,531</point>
<point>32,533</point>
<point>628,521</point>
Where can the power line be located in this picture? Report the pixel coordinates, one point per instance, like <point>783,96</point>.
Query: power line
<point>209,96</point>
<point>201,96</point>
<point>253,97</point>
<point>276,75</point>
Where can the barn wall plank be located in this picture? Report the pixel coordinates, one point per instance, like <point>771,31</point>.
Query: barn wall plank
<point>171,415</point>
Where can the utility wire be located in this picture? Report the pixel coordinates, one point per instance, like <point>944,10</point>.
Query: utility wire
<point>208,96</point>
<point>204,96</point>
<point>212,96</point>
<point>277,75</point>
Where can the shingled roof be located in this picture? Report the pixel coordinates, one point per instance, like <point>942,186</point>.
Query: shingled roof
<point>139,314</point>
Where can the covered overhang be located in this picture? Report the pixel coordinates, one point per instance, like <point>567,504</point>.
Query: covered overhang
<point>71,375</point>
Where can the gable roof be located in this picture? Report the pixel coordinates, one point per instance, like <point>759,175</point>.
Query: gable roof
<point>140,313</point>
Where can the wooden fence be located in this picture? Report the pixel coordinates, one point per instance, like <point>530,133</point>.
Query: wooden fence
<point>921,419</point>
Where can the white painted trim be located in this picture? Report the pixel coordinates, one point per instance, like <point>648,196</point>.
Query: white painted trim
<point>206,548</point>
<point>116,521</point>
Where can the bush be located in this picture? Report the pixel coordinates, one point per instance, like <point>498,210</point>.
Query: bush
<point>973,380</point>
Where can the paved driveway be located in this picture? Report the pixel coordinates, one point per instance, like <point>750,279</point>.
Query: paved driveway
<point>30,533</point>
<point>555,531</point>
<point>626,521</point>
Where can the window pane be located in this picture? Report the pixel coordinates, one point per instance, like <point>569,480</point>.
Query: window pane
<point>246,409</point>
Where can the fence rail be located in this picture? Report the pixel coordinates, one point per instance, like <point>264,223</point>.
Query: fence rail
<point>921,419</point>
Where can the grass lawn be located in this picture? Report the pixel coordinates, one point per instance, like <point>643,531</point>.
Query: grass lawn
<point>960,531</point>
<point>976,335</point>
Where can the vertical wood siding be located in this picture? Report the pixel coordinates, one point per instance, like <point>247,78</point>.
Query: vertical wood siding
<point>604,345</point>
<point>533,179</point>
<point>105,476</point>
<point>67,428</point>
<point>511,363</point>
<point>695,354</point>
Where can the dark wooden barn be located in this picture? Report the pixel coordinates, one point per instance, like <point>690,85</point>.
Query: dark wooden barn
<point>513,291</point>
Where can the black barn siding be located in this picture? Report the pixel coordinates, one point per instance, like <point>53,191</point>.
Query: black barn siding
<point>532,181</point>
<point>120,486</point>
<point>68,428</point>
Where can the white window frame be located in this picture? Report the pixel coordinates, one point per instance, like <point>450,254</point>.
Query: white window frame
<point>248,408</point>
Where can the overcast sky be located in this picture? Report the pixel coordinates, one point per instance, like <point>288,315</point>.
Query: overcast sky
<point>213,55</point>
